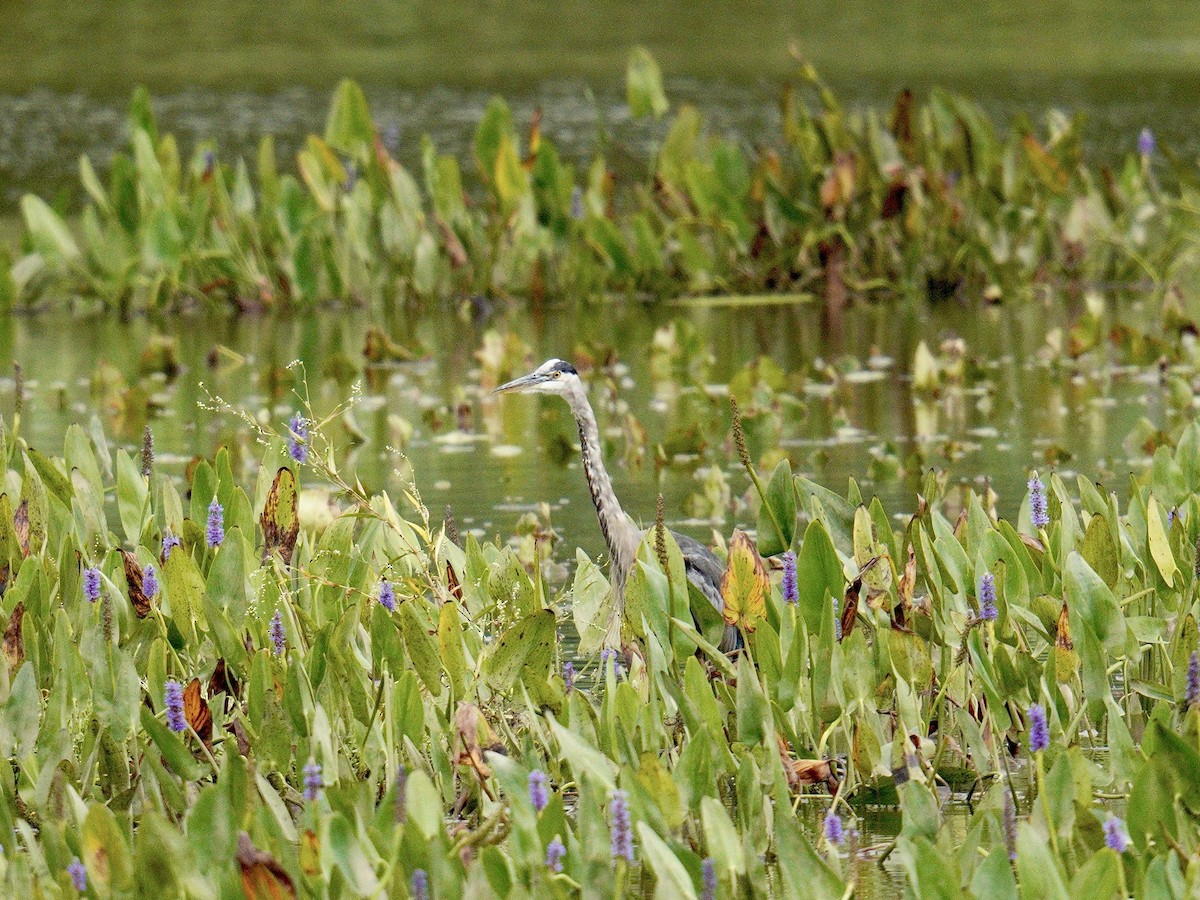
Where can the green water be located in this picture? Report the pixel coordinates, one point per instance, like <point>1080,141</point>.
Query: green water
<point>233,71</point>
<point>493,459</point>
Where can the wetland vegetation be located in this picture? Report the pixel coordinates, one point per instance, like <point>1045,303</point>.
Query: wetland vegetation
<point>292,606</point>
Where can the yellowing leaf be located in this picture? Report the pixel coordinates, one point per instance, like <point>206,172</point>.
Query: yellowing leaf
<point>1160,547</point>
<point>280,517</point>
<point>744,584</point>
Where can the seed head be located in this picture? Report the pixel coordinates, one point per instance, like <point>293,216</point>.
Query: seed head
<point>147,452</point>
<point>739,437</point>
<point>173,701</point>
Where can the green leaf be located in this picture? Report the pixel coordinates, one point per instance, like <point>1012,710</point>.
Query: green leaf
<point>104,849</point>
<point>818,572</point>
<point>781,500</point>
<point>643,85</point>
<point>421,649</point>
<point>1160,545</point>
<point>530,642</point>
<point>349,127</point>
<point>583,758</point>
<point>347,854</point>
<point>450,646</point>
<point>672,879</point>
<point>176,755</point>
<point>184,590</point>
<point>1100,551</point>
<point>48,233</point>
<point>721,837</point>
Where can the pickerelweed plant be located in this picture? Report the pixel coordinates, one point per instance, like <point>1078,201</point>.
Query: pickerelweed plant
<point>264,724</point>
<point>931,197</point>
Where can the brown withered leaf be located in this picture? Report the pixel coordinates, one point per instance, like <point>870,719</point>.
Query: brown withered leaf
<point>803,772</point>
<point>473,735</point>
<point>452,583</point>
<point>21,525</point>
<point>280,518</point>
<point>908,581</point>
<point>197,713</point>
<point>14,642</point>
<point>310,853</point>
<point>901,125</point>
<point>263,878</point>
<point>1062,639</point>
<point>223,681</point>
<point>133,580</point>
<point>850,602</point>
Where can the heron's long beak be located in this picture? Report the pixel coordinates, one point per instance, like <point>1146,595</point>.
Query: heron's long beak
<point>520,384</point>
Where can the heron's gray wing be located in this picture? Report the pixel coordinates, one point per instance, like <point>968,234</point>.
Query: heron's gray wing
<point>704,571</point>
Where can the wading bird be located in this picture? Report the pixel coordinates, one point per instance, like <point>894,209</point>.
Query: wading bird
<point>620,533</point>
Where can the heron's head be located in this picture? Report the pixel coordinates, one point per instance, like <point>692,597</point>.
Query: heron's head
<point>552,377</point>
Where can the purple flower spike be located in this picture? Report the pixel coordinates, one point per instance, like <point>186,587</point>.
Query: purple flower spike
<point>1039,513</point>
<point>173,701</point>
<point>1116,837</point>
<point>837,621</point>
<point>91,584</point>
<point>420,885</point>
<point>1039,732</point>
<point>1192,697</point>
<point>539,790</point>
<point>215,532</point>
<point>78,874</point>
<point>150,581</point>
<point>313,781</point>
<point>987,598</point>
<point>708,875</point>
<point>277,633</point>
<point>791,591</point>
<point>577,208</point>
<point>1146,142</point>
<point>555,851</point>
<point>387,596</point>
<point>621,827</point>
<point>833,828</point>
<point>605,656</point>
<point>298,438</point>
<point>568,673</point>
<point>170,542</point>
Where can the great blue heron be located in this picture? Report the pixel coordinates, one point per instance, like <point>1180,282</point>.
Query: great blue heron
<point>620,533</point>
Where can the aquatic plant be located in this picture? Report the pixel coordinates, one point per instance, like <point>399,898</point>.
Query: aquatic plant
<point>931,200</point>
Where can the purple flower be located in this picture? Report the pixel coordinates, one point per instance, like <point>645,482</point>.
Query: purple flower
<point>1115,836</point>
<point>833,828</point>
<point>577,209</point>
<point>1146,142</point>
<point>170,542</point>
<point>1010,826</point>
<point>620,827</point>
<point>708,874</point>
<point>1039,732</point>
<point>1039,513</point>
<point>173,701</point>
<point>78,875</point>
<point>420,885</point>
<point>298,438</point>
<point>569,675</point>
<point>277,634</point>
<point>313,781</point>
<point>987,598</point>
<point>555,851</point>
<point>215,532</point>
<point>91,584</point>
<point>150,581</point>
<point>1192,697</point>
<point>837,620</point>
<point>351,178</point>
<point>791,591</point>
<point>387,596</point>
<point>539,791</point>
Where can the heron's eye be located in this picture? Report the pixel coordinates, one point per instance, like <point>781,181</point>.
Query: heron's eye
<point>556,374</point>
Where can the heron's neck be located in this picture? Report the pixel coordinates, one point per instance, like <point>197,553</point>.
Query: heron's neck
<point>619,531</point>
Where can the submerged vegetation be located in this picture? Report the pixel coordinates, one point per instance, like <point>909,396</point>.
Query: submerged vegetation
<point>931,200</point>
<point>204,691</point>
